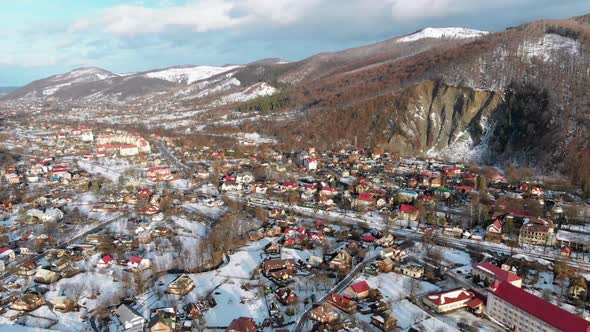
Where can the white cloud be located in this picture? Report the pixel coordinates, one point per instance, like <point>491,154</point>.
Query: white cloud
<point>408,10</point>
<point>197,15</point>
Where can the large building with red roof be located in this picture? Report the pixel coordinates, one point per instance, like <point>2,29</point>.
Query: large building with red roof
<point>522,311</point>
<point>490,273</point>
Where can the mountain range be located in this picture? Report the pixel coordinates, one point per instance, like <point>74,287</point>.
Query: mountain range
<point>513,96</point>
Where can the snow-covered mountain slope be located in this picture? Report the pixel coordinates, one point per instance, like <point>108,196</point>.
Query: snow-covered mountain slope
<point>550,46</point>
<point>188,75</point>
<point>254,91</point>
<point>87,74</point>
<point>452,32</point>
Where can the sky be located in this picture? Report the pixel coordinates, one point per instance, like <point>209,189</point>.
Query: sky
<point>39,38</point>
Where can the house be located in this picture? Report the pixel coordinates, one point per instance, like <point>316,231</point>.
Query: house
<point>182,285</point>
<point>130,318</point>
<point>413,271</point>
<point>64,304</point>
<point>244,178</point>
<point>311,164</point>
<point>60,174</point>
<point>44,276</point>
<point>385,241</point>
<point>386,253</point>
<point>7,254</point>
<point>144,194</point>
<point>384,321</point>
<point>324,314</point>
<point>137,264</point>
<point>105,262</point>
<point>28,302</point>
<point>522,311</point>
<point>359,290</point>
<point>536,231</point>
<point>450,300</point>
<point>489,273</point>
<point>12,178</point>
<point>309,189</point>
<point>231,186</point>
<point>386,265</point>
<point>408,212</point>
<point>451,171</point>
<point>436,182</point>
<point>342,261</point>
<point>289,186</point>
<point>328,191</point>
<point>407,195</point>
<point>273,265</point>
<point>276,213</point>
<point>286,295</point>
<point>242,324</point>
<point>363,200</point>
<point>159,173</point>
<point>150,209</point>
<point>494,231</point>
<point>162,321</point>
<point>273,248</point>
<point>27,269</point>
<point>342,303</point>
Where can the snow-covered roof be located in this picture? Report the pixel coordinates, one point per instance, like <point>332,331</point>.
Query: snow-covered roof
<point>455,295</point>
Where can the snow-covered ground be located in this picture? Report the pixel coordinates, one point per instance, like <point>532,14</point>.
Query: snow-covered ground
<point>395,287</point>
<point>451,32</point>
<point>232,285</point>
<point>408,314</point>
<point>189,74</point>
<point>257,90</point>
<point>549,46</point>
<point>202,209</point>
<point>111,169</point>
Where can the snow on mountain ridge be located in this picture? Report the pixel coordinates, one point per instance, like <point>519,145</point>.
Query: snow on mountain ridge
<point>189,74</point>
<point>85,74</point>
<point>254,91</point>
<point>450,32</point>
<point>550,45</point>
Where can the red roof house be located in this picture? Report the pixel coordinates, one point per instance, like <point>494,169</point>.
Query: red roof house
<point>242,324</point>
<point>490,273</point>
<point>359,290</point>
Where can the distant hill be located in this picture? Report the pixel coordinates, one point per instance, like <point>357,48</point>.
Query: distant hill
<point>6,90</point>
<point>517,95</point>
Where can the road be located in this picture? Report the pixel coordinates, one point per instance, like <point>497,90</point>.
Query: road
<point>414,235</point>
<point>172,158</point>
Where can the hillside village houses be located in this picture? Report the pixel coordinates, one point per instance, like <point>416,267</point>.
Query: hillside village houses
<point>282,214</point>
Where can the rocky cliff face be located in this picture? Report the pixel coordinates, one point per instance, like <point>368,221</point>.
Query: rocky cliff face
<point>427,119</point>
<point>440,120</point>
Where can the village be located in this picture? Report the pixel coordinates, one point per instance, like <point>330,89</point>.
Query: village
<point>104,229</point>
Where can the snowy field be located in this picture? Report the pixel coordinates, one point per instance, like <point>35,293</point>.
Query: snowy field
<point>395,286</point>
<point>111,169</point>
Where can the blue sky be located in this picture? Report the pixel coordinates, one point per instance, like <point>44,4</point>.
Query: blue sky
<point>39,38</point>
